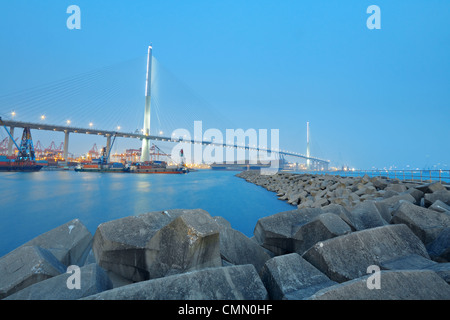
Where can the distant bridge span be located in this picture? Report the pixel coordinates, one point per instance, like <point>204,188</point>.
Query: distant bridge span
<point>108,134</point>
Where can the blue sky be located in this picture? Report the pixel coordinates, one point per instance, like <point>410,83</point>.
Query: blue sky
<point>374,98</point>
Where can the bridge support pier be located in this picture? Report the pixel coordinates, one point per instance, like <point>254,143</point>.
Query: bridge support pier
<point>145,152</point>
<point>11,141</point>
<point>108,145</point>
<point>66,145</point>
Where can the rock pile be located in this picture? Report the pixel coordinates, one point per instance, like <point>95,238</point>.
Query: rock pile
<point>343,225</point>
<point>320,250</point>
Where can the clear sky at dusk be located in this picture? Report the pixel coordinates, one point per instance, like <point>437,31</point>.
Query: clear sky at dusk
<point>374,98</point>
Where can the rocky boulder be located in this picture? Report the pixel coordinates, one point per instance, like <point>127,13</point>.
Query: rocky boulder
<point>394,285</point>
<point>442,270</point>
<point>425,223</point>
<point>399,188</point>
<point>442,195</point>
<point>379,183</point>
<point>322,227</point>
<point>69,243</point>
<point>290,277</point>
<point>26,266</point>
<point>417,194</point>
<point>337,209</point>
<point>119,245</point>
<point>393,201</point>
<point>439,206</point>
<point>439,248</point>
<point>364,215</point>
<point>347,257</point>
<point>190,242</point>
<point>275,232</point>
<point>93,279</point>
<point>224,283</point>
<point>238,249</point>
<point>431,187</point>
<point>409,262</point>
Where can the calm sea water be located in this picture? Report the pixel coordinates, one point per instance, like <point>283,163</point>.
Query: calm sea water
<point>33,203</point>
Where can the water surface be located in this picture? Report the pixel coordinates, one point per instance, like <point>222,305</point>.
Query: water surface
<point>33,203</point>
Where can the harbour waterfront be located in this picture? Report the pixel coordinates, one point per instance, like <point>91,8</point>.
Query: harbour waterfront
<point>402,175</point>
<point>33,203</point>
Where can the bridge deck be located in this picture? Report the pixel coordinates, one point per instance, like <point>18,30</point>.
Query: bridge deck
<point>108,133</point>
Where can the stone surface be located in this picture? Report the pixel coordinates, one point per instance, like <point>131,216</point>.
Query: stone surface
<point>90,258</point>
<point>69,243</point>
<point>416,262</point>
<point>238,249</point>
<point>439,249</point>
<point>442,270</point>
<point>442,195</point>
<point>388,193</point>
<point>425,223</point>
<point>393,201</point>
<point>439,206</point>
<point>224,283</point>
<point>396,187</point>
<point>365,215</point>
<point>119,245</point>
<point>290,277</point>
<point>347,257</point>
<point>384,210</point>
<point>26,266</point>
<point>379,183</point>
<point>340,210</point>
<point>417,194</point>
<point>222,222</point>
<point>322,227</point>
<point>275,232</point>
<point>394,285</point>
<point>93,279</point>
<point>190,242</point>
<point>410,262</point>
<point>430,187</point>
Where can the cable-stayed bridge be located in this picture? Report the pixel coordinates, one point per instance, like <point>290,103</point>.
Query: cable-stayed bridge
<point>107,102</point>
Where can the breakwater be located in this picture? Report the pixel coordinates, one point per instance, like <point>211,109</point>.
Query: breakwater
<point>327,248</point>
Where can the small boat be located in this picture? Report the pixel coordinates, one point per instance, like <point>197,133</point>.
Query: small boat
<point>102,164</point>
<point>19,165</point>
<point>101,167</point>
<point>137,167</point>
<point>157,167</point>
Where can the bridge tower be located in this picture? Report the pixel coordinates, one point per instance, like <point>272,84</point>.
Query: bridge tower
<point>308,162</point>
<point>145,154</point>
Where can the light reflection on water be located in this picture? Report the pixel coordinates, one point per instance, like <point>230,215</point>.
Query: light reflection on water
<point>33,203</point>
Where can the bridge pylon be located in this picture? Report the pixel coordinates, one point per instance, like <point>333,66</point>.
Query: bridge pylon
<point>145,155</point>
<point>308,161</point>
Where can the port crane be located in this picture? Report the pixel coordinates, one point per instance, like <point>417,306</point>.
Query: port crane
<point>26,149</point>
<point>25,160</point>
<point>93,153</point>
<point>105,153</point>
<point>4,145</point>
